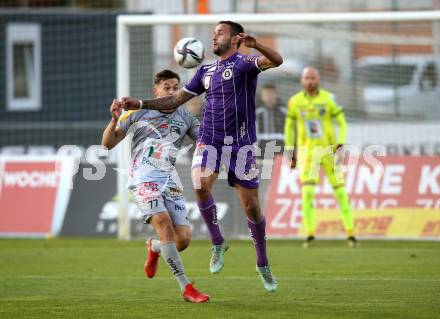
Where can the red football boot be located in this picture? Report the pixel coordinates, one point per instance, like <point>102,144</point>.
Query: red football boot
<point>191,294</point>
<point>150,266</point>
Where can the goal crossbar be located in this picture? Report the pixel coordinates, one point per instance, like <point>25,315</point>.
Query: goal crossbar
<point>334,17</point>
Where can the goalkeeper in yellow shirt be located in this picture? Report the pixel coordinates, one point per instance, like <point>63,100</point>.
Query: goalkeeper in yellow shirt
<point>310,134</point>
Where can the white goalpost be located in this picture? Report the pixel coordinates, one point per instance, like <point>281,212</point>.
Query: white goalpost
<point>283,25</point>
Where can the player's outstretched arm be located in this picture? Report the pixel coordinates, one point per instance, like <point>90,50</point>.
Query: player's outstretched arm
<point>270,57</point>
<point>112,134</point>
<point>162,103</point>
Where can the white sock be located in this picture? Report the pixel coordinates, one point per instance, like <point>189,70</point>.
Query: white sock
<point>171,256</point>
<point>155,245</point>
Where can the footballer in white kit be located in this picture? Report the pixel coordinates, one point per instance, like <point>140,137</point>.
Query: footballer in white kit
<point>156,140</point>
<point>156,137</point>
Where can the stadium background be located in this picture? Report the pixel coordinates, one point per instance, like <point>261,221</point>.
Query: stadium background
<point>64,76</point>
<point>58,58</point>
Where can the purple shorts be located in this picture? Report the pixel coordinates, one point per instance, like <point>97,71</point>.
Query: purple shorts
<point>238,162</point>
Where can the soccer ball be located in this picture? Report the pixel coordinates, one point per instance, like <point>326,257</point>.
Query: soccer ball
<point>188,52</point>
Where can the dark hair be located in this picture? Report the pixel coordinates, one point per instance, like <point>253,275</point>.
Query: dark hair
<point>165,75</point>
<point>234,27</point>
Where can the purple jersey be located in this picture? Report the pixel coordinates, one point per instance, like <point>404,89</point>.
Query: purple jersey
<point>229,88</point>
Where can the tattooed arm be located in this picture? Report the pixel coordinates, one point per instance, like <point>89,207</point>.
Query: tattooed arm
<point>162,103</point>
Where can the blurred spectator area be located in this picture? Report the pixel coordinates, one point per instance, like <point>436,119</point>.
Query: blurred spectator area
<point>65,3</point>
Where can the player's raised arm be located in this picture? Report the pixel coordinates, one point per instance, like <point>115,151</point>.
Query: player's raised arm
<point>270,57</point>
<point>162,103</point>
<point>113,134</point>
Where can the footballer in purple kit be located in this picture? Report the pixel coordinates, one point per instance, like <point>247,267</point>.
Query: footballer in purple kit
<point>227,134</point>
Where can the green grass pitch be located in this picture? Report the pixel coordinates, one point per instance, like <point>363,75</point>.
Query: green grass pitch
<point>103,278</point>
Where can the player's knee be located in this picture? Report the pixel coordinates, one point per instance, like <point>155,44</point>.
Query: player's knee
<point>253,211</point>
<point>182,243</point>
<point>204,192</point>
<point>165,229</point>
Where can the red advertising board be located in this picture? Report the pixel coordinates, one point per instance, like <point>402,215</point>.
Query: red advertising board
<point>383,196</point>
<point>30,195</point>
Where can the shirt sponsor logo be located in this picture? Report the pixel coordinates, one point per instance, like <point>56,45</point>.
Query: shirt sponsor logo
<point>175,130</point>
<point>227,74</point>
<point>174,122</point>
<point>161,163</point>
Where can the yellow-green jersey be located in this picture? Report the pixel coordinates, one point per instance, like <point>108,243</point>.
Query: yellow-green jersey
<point>311,121</point>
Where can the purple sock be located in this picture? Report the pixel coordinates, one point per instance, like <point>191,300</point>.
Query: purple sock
<point>258,234</point>
<point>208,210</point>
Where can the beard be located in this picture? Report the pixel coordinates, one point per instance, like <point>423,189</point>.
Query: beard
<point>312,87</point>
<point>222,48</point>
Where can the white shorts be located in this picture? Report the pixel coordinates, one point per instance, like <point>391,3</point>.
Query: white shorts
<point>153,198</point>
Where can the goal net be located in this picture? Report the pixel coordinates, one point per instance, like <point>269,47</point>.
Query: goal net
<point>383,68</point>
